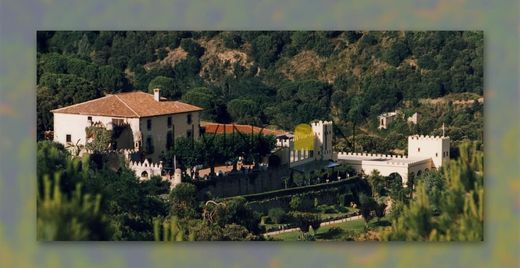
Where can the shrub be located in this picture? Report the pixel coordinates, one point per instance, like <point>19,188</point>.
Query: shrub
<point>296,203</point>
<point>232,40</point>
<point>192,47</point>
<point>326,209</point>
<point>334,231</point>
<point>276,215</point>
<point>341,209</point>
<point>306,220</point>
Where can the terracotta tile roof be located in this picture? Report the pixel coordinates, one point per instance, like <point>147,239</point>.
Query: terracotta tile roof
<point>130,104</point>
<point>246,129</point>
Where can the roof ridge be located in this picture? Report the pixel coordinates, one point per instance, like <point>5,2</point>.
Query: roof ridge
<point>81,103</point>
<point>128,106</point>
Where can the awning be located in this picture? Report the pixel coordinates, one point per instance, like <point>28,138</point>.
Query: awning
<point>315,165</point>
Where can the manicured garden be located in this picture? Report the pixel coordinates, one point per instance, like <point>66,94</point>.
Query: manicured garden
<point>339,231</point>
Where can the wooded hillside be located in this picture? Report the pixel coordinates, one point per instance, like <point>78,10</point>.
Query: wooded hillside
<point>262,78</point>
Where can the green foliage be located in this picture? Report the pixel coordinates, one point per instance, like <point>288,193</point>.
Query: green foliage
<point>276,215</point>
<point>352,36</point>
<point>171,230</point>
<point>132,204</point>
<point>460,216</point>
<point>300,102</point>
<point>78,217</point>
<point>101,139</point>
<point>84,64</point>
<point>201,231</point>
<point>305,221</point>
<point>167,85</point>
<point>265,49</point>
<point>435,185</point>
<point>129,204</point>
<point>211,150</point>
<point>377,183</point>
<point>243,111</point>
<point>317,41</point>
<point>204,98</point>
<point>396,53</point>
<point>366,205</point>
<point>296,203</point>
<point>232,40</point>
<point>192,47</point>
<point>182,201</point>
<point>54,160</point>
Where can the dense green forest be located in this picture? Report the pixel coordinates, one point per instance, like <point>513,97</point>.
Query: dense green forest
<point>276,79</point>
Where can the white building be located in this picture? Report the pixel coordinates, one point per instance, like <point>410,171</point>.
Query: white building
<point>385,119</point>
<point>145,122</point>
<point>424,153</point>
<point>414,119</point>
<point>322,145</point>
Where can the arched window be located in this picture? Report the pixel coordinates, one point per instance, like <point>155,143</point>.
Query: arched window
<point>418,149</point>
<point>144,174</point>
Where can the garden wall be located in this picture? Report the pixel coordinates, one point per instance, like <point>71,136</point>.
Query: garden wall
<point>325,193</point>
<point>241,183</point>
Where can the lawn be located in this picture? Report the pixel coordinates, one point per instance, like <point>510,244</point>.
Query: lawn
<point>323,233</point>
<point>270,226</point>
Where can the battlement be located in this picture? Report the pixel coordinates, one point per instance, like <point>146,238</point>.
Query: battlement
<point>427,137</point>
<point>384,156</point>
<point>320,122</point>
<point>145,164</point>
<point>127,151</point>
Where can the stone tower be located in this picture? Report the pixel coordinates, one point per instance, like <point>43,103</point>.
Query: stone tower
<point>177,178</point>
<point>323,139</point>
<point>436,147</point>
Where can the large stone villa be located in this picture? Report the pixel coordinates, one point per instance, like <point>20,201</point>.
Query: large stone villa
<point>152,123</point>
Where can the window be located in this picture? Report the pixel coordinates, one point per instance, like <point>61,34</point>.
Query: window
<point>117,122</point>
<point>149,124</point>
<point>169,139</point>
<point>418,149</point>
<point>188,133</point>
<point>68,138</point>
<point>89,118</point>
<point>169,121</point>
<point>149,145</point>
<point>188,118</point>
<point>436,154</point>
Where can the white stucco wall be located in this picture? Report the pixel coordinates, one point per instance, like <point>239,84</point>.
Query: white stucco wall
<point>323,139</point>
<point>75,124</point>
<point>387,168</point>
<point>438,148</point>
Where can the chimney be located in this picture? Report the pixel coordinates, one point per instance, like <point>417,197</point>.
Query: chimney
<point>157,94</point>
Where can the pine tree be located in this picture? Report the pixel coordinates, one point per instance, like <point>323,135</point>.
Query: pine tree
<point>76,218</point>
<point>461,204</point>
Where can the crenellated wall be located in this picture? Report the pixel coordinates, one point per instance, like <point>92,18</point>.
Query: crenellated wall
<point>341,155</point>
<point>435,147</point>
<point>145,170</point>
